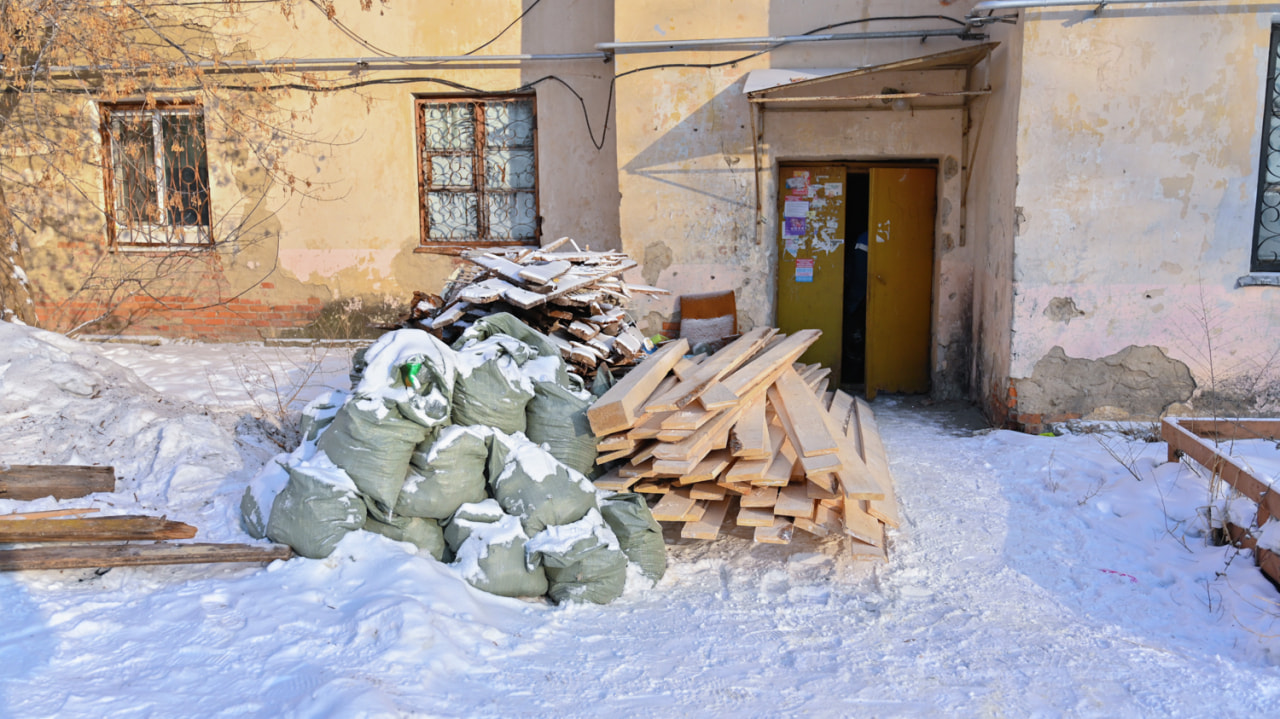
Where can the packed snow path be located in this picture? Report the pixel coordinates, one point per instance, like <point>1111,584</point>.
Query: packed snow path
<point>1033,576</point>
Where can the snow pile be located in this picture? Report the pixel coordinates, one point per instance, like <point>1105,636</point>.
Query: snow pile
<point>429,444</point>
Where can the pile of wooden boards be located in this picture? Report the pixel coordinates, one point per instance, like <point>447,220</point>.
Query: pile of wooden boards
<point>77,541</point>
<point>576,298</point>
<point>746,427</point>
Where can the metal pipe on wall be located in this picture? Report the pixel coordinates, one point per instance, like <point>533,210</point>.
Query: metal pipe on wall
<point>1019,4</point>
<point>749,42</point>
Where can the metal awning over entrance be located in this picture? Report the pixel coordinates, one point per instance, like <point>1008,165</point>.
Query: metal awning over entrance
<point>939,81</point>
<point>828,89</point>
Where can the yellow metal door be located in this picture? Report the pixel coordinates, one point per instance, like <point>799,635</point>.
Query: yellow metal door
<point>811,211</point>
<point>899,279</point>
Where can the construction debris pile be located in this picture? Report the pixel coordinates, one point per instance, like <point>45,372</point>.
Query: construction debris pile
<point>475,453</point>
<point>745,427</point>
<point>577,299</point>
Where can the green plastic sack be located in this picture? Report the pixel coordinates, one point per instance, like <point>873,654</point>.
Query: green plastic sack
<point>255,503</point>
<point>319,413</point>
<point>423,533</point>
<point>316,509</point>
<point>415,372</point>
<point>639,534</point>
<point>491,554</point>
<point>504,323</point>
<point>373,443</point>
<point>582,560</point>
<point>458,527</point>
<point>447,473</point>
<point>491,390</point>
<point>557,418</point>
<point>529,483</point>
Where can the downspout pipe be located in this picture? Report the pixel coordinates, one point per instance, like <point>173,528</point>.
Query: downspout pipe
<point>973,18</point>
<point>759,42</point>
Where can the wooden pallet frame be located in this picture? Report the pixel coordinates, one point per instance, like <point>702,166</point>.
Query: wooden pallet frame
<point>1194,437</point>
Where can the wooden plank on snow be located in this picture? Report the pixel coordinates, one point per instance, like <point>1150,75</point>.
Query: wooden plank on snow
<point>133,555</point>
<point>678,506</point>
<point>877,459</point>
<point>794,501</point>
<point>709,468</point>
<point>94,529</point>
<point>33,481</point>
<point>801,415</point>
<point>779,532</point>
<point>614,482</point>
<point>754,516</point>
<point>760,497</point>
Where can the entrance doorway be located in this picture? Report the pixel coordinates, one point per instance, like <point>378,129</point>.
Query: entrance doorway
<point>855,260</point>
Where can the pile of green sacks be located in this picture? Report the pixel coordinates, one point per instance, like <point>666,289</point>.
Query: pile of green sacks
<point>478,454</point>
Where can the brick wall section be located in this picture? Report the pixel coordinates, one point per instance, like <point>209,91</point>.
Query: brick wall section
<point>234,320</point>
<point>1003,413</point>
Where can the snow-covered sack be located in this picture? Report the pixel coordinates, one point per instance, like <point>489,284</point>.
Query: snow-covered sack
<point>402,396</point>
<point>319,413</point>
<point>529,483</point>
<point>582,560</point>
<point>446,473</point>
<point>492,391</point>
<point>639,534</point>
<point>490,554</point>
<point>317,508</point>
<point>505,323</point>
<point>422,533</point>
<point>557,418</point>
<point>255,503</point>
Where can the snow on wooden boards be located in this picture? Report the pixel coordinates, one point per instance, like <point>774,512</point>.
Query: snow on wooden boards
<point>1199,438</point>
<point>578,298</point>
<point>745,437</point>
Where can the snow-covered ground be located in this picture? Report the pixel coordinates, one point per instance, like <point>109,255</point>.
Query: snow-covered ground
<point>1033,576</point>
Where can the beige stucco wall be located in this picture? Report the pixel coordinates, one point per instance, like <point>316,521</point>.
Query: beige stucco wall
<point>688,210</point>
<point>1138,144</point>
<point>346,230</point>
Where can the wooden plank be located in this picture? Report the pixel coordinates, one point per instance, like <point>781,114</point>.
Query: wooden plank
<point>708,491</point>
<point>856,549</point>
<point>450,314</point>
<point>33,481</point>
<point>711,370</point>
<point>673,435</point>
<point>1181,440</point>
<point>1228,428</point>
<point>639,471</point>
<point>877,459</point>
<point>713,435</point>
<point>818,491</point>
<point>674,467</point>
<point>860,525</point>
<point>567,283</point>
<point>615,443</point>
<point>649,427</point>
<point>544,273</point>
<point>839,411</point>
<point>650,486</point>
<point>779,472</point>
<point>708,525</point>
<point>94,529</point>
<point>484,292</point>
<point>765,367</point>
<point>133,555</point>
<point>749,438</point>
<point>801,415</point>
<point>794,501</point>
<point>688,419</point>
<point>709,468</point>
<point>754,516</point>
<point>618,408</point>
<point>760,497</point>
<point>826,522</point>
<point>678,506</point>
<point>614,482</point>
<point>505,268</point>
<point>611,456</point>
<point>822,464</point>
<point>779,533</point>
<point>685,368</point>
<point>736,488</point>
<point>48,514</point>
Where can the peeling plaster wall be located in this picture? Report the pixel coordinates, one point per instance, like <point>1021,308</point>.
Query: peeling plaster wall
<point>992,221</point>
<point>688,210</point>
<point>1138,145</point>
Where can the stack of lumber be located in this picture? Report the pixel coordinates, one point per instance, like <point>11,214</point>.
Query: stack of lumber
<point>577,298</point>
<point>747,433</point>
<point>71,540</point>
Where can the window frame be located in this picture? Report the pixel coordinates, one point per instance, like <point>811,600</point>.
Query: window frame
<point>453,247</point>
<point>1270,124</point>
<point>163,236</point>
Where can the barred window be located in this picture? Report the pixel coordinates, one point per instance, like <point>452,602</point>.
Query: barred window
<point>1266,228</point>
<point>158,176</point>
<point>478,172</point>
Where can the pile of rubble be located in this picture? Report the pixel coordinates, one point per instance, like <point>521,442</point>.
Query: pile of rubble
<point>577,298</point>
